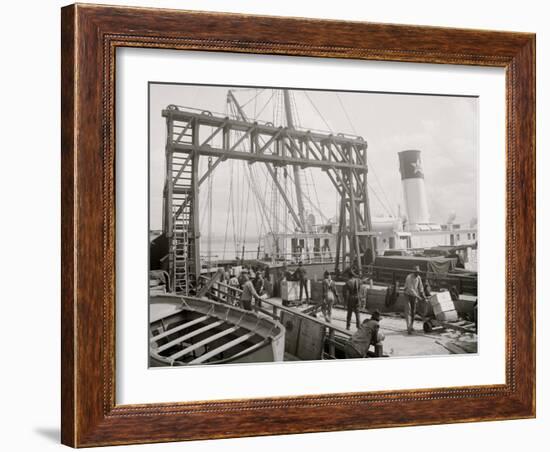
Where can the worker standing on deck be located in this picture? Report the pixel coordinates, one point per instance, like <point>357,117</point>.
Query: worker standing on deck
<point>329,295</point>
<point>241,277</point>
<point>259,285</point>
<point>363,292</point>
<point>351,296</point>
<point>234,285</point>
<point>414,290</point>
<point>248,293</point>
<point>366,335</point>
<point>300,275</point>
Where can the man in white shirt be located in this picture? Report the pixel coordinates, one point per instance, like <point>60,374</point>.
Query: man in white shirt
<point>414,290</point>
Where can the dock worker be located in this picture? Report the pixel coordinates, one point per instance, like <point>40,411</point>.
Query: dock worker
<point>414,290</point>
<point>351,297</point>
<point>268,284</point>
<point>241,278</point>
<point>329,295</point>
<point>300,275</point>
<point>259,285</point>
<point>366,335</point>
<point>249,293</point>
<point>363,292</point>
<point>233,286</point>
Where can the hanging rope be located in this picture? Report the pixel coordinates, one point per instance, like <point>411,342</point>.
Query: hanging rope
<point>318,112</point>
<point>253,98</point>
<point>386,207</point>
<point>228,208</point>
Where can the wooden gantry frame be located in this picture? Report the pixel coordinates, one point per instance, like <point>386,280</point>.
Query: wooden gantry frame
<point>191,134</point>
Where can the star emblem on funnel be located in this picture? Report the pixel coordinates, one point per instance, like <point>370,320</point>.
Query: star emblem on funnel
<point>417,167</point>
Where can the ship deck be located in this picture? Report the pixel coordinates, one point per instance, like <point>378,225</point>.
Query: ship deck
<point>397,342</point>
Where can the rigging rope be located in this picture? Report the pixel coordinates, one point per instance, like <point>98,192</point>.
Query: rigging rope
<point>318,112</point>
<point>253,98</point>
<point>228,209</point>
<point>388,209</point>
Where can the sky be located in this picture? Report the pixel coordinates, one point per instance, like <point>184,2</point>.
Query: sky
<point>444,128</point>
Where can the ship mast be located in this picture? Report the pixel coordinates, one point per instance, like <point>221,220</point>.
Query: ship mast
<point>296,168</point>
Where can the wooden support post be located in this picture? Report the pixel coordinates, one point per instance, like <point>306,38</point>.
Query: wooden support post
<point>195,207</point>
<point>168,214</point>
<point>344,234</point>
<point>168,178</point>
<point>367,219</point>
<point>353,220</point>
<point>340,232</point>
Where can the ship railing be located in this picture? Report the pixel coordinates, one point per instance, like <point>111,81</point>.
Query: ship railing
<point>310,257</point>
<point>225,293</point>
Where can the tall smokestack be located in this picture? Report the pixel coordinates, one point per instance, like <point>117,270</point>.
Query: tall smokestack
<point>414,191</point>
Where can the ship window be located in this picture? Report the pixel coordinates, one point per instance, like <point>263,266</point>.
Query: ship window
<point>474,235</point>
<point>458,236</point>
<point>469,236</point>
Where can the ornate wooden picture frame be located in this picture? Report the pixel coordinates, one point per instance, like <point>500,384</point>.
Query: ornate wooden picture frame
<point>90,37</point>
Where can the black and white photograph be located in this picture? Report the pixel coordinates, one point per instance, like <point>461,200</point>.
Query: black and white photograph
<point>294,225</point>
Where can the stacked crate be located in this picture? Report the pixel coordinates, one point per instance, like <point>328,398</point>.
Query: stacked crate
<point>443,307</point>
<point>290,290</point>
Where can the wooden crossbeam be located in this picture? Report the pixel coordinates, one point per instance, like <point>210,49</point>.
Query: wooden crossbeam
<point>210,170</point>
<point>222,348</point>
<point>285,197</point>
<point>249,349</point>
<point>213,134</point>
<point>210,283</point>
<point>183,166</point>
<point>189,335</point>
<point>272,158</point>
<point>204,342</point>
<point>243,125</point>
<point>181,327</point>
<point>182,133</point>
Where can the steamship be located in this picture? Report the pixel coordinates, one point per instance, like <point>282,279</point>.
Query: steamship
<point>407,234</point>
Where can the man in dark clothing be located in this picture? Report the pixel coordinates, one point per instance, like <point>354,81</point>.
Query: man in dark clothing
<point>248,294</point>
<point>259,285</point>
<point>300,275</point>
<point>351,296</point>
<point>366,335</point>
<point>241,277</point>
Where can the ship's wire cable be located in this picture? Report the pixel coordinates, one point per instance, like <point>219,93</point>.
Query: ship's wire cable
<point>318,112</point>
<point>388,208</point>
<point>253,98</point>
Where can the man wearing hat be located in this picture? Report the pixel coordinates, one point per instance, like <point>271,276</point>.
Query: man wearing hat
<point>366,335</point>
<point>414,290</point>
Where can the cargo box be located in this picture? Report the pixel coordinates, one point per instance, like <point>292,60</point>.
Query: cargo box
<point>290,290</point>
<point>447,316</point>
<point>443,306</point>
